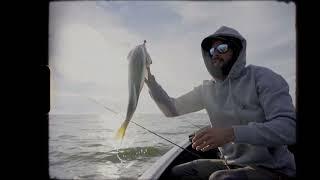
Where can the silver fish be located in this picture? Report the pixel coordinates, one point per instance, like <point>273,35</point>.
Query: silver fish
<point>139,59</point>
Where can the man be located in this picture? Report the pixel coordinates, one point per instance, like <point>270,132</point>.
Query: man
<point>250,109</point>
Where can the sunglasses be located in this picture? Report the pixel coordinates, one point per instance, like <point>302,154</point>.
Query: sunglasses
<point>222,49</point>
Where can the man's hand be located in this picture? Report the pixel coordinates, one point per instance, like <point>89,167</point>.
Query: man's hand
<point>150,76</point>
<point>212,138</point>
<point>191,136</point>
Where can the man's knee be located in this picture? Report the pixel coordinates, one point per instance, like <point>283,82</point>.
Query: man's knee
<point>176,171</point>
<point>183,170</point>
<point>228,175</point>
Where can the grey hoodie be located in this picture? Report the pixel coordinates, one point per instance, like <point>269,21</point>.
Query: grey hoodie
<point>253,100</point>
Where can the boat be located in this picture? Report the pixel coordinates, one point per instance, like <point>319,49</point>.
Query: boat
<point>177,155</point>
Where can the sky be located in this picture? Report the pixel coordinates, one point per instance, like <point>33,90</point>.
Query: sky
<point>90,40</point>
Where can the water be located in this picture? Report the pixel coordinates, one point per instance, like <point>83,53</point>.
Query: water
<point>83,147</point>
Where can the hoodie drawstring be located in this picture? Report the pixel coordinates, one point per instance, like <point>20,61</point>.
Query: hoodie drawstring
<point>222,156</point>
<point>230,92</point>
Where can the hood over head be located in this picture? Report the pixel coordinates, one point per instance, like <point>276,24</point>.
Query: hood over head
<point>238,43</point>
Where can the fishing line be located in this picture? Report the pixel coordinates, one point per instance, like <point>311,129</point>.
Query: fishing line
<point>194,125</point>
<point>103,105</point>
<point>166,139</point>
<point>150,131</point>
<point>118,113</point>
<point>117,149</point>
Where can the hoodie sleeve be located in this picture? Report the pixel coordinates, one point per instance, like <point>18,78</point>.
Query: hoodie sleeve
<point>279,127</point>
<point>187,103</point>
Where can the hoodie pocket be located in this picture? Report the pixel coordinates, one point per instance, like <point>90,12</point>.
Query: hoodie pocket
<point>246,112</point>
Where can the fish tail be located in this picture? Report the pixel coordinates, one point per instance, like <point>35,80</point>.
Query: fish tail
<point>122,130</point>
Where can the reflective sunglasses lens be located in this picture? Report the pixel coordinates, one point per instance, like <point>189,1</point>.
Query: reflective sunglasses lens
<point>222,48</point>
<point>211,51</point>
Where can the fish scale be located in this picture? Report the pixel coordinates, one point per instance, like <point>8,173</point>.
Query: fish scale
<point>139,59</point>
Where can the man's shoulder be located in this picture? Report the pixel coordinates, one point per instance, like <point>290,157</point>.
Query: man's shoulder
<point>266,76</point>
<point>208,82</point>
<point>262,71</point>
<point>257,68</point>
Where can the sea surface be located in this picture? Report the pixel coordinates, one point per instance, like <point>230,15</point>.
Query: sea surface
<point>82,146</point>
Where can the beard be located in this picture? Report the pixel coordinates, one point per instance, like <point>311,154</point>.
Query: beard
<point>216,68</point>
<point>220,68</point>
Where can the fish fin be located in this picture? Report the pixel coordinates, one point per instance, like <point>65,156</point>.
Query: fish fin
<point>122,130</point>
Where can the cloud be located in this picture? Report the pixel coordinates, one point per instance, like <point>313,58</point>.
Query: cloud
<point>88,44</point>
<point>269,28</point>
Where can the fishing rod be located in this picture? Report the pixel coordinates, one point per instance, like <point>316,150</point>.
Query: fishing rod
<point>147,129</point>
<point>118,113</point>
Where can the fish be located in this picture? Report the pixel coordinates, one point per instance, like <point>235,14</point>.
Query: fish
<point>139,59</point>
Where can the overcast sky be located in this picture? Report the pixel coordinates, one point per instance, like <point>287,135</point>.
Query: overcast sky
<point>89,42</point>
